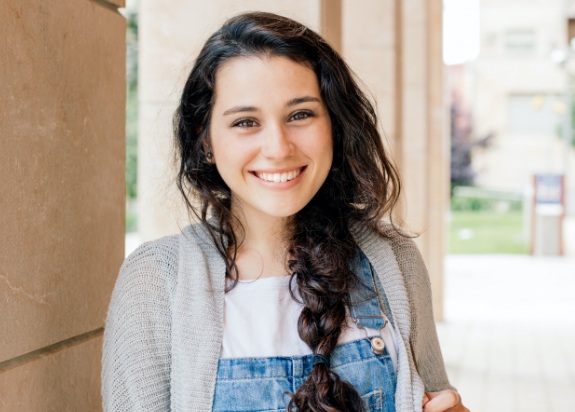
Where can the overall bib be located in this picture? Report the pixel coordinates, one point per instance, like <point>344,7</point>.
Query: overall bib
<point>263,384</point>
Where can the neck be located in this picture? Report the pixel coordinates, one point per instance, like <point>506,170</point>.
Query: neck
<point>262,251</point>
<point>263,233</point>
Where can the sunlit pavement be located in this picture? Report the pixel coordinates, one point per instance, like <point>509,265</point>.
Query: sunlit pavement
<point>509,333</point>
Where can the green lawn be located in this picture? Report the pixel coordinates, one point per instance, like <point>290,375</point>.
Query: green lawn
<point>131,217</point>
<point>487,232</point>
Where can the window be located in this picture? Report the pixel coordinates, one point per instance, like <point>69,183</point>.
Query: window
<point>530,114</point>
<point>520,41</point>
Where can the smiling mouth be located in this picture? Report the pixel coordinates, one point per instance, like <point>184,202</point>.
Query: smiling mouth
<point>279,177</point>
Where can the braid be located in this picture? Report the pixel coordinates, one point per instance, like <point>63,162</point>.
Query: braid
<point>321,247</point>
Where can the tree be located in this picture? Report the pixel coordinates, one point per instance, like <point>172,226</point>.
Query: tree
<point>462,145</point>
<point>132,105</point>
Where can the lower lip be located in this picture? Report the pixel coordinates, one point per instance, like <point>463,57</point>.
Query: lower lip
<point>280,185</point>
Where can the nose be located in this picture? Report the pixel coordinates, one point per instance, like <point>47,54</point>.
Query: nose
<point>276,143</point>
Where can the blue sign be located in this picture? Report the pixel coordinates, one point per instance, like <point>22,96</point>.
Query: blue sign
<point>549,189</point>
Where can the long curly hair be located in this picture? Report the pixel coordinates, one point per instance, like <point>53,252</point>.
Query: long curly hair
<point>361,188</point>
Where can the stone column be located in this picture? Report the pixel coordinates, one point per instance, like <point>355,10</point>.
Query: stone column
<point>422,135</point>
<point>62,197</point>
<point>331,22</point>
<point>395,47</point>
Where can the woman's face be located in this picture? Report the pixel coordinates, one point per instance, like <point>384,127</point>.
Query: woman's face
<point>270,135</point>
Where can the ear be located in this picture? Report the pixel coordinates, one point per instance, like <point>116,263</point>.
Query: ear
<point>207,149</point>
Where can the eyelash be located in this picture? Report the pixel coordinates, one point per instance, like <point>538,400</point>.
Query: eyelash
<point>242,123</point>
<point>247,122</point>
<point>307,114</point>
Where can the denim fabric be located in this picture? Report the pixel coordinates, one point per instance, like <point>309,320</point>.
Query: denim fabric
<point>264,384</point>
<point>364,299</point>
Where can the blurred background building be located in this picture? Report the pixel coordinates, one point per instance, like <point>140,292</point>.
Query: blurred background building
<point>512,124</point>
<point>510,290</point>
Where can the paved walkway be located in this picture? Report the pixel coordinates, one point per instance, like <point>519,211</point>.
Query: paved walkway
<point>509,335</point>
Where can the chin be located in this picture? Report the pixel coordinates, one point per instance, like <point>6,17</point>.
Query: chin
<point>284,212</point>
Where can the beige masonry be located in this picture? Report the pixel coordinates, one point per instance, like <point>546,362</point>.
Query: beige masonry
<point>62,197</point>
<point>393,45</point>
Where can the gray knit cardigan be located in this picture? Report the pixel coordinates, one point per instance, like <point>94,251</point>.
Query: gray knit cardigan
<point>165,323</point>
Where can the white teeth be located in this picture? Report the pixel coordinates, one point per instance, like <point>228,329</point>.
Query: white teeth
<point>279,177</point>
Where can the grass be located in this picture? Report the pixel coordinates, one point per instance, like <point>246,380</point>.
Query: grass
<point>487,232</point>
<point>131,217</point>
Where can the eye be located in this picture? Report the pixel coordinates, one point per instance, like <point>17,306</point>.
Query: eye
<point>301,115</point>
<point>244,123</point>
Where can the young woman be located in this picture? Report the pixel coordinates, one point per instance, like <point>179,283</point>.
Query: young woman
<point>291,293</point>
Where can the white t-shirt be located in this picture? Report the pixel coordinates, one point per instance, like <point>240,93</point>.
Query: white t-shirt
<point>260,320</point>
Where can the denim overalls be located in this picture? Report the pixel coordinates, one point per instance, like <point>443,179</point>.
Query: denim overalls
<point>262,384</point>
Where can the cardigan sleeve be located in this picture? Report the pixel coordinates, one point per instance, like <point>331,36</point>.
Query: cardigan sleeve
<point>423,335</point>
<point>136,351</point>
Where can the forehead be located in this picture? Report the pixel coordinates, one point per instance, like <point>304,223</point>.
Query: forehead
<point>264,75</point>
<point>262,60</point>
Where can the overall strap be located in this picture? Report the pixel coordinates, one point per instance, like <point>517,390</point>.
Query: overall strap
<point>365,308</point>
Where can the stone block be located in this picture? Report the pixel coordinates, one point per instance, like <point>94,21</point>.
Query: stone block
<point>67,380</point>
<point>371,25</point>
<point>161,208</point>
<point>118,3</point>
<point>376,70</point>
<point>369,47</point>
<point>62,166</point>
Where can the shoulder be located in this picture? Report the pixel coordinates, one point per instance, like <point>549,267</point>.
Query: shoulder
<point>392,252</point>
<point>387,237</point>
<point>162,254</point>
<point>142,290</point>
<point>404,248</point>
<point>153,261</point>
<point>152,269</point>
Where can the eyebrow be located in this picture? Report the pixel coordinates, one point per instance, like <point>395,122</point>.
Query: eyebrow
<point>292,102</point>
<point>305,99</point>
<point>239,109</point>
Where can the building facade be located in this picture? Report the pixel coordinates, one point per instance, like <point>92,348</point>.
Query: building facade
<point>519,91</point>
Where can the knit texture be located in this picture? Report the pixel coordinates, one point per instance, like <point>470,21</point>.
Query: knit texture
<point>165,322</point>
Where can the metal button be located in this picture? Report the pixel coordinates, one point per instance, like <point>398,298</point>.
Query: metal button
<point>377,346</point>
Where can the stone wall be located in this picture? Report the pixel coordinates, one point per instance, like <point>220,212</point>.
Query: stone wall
<point>62,197</point>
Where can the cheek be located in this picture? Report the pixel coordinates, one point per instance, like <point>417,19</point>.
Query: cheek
<point>325,145</point>
<point>222,146</point>
<point>231,159</point>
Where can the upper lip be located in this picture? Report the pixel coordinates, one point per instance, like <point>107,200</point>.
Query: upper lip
<point>280,175</point>
<point>282,170</point>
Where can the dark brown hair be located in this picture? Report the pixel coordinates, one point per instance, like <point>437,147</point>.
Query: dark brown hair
<point>361,188</point>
